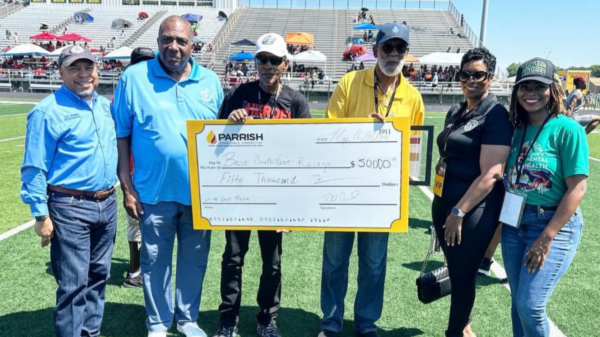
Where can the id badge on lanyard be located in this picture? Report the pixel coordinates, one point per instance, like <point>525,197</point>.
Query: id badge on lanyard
<point>440,173</point>
<point>512,208</point>
<point>514,200</point>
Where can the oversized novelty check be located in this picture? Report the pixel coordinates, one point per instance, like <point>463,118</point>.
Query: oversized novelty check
<point>303,174</point>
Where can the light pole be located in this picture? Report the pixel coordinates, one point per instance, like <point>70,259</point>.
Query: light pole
<point>484,15</point>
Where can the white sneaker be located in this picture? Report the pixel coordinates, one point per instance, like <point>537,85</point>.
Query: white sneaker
<point>157,334</point>
<point>191,330</point>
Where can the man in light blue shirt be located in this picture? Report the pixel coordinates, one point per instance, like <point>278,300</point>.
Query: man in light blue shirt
<point>69,171</point>
<point>153,100</point>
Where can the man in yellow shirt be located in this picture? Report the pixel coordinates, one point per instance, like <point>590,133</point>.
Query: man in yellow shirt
<point>378,92</point>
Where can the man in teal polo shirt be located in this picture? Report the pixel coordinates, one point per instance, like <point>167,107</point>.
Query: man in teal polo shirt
<point>153,100</point>
<point>68,175</point>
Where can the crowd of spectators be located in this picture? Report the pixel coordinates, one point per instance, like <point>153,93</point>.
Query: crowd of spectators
<point>203,48</point>
<point>434,74</point>
<point>296,49</point>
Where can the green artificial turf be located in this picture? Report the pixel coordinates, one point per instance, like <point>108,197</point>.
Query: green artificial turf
<point>27,301</point>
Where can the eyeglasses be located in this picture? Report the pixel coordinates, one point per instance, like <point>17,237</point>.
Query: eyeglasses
<point>262,59</point>
<point>388,48</point>
<point>478,76</point>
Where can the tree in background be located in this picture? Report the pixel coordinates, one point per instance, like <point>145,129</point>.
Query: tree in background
<point>512,69</point>
<point>595,69</point>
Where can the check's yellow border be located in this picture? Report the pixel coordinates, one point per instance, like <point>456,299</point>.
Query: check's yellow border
<point>399,123</point>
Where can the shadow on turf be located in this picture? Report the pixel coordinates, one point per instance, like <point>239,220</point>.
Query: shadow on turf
<point>127,320</point>
<point>414,223</point>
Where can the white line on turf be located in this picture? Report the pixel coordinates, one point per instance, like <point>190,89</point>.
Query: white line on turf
<point>26,225</point>
<point>594,159</point>
<point>500,273</point>
<point>19,102</point>
<point>13,115</point>
<point>17,229</point>
<point>9,139</point>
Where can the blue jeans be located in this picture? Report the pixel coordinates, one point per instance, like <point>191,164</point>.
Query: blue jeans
<point>80,252</point>
<point>530,292</point>
<point>372,257</point>
<point>160,224</point>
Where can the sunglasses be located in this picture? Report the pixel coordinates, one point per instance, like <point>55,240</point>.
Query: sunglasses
<point>262,59</point>
<point>388,48</point>
<point>478,76</point>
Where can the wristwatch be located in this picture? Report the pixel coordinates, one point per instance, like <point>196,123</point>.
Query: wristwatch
<point>457,212</point>
<point>41,218</point>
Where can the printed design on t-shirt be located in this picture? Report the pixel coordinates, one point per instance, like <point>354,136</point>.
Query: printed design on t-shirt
<point>535,175</point>
<point>265,110</point>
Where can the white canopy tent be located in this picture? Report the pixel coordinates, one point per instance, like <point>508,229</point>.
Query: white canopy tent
<point>441,59</point>
<point>123,53</point>
<point>26,50</point>
<point>310,56</point>
<point>56,52</point>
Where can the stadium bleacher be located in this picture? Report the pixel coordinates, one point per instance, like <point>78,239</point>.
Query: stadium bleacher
<point>27,21</point>
<point>333,31</point>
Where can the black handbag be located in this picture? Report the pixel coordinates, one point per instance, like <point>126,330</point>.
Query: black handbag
<point>435,284</point>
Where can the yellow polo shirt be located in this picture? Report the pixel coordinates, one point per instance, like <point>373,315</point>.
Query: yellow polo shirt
<point>353,98</point>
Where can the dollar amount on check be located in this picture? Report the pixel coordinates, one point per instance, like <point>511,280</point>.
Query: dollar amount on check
<point>336,175</point>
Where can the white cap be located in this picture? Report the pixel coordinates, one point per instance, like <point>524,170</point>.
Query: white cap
<point>273,44</point>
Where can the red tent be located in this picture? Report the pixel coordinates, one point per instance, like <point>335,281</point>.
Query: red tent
<point>355,49</point>
<point>44,36</point>
<point>73,37</point>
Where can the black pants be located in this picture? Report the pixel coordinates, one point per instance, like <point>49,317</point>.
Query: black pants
<point>269,289</point>
<point>463,260</point>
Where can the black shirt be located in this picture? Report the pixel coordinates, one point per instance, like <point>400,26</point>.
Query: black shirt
<point>488,124</point>
<point>259,103</point>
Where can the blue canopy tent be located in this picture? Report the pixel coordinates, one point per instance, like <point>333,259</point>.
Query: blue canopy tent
<point>192,18</point>
<point>81,17</point>
<point>366,26</point>
<point>243,56</point>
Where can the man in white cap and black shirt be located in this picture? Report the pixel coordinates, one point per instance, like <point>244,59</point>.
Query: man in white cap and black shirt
<point>266,98</point>
<point>69,171</point>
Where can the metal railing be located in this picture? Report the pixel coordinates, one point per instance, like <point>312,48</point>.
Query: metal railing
<point>223,33</point>
<point>9,9</point>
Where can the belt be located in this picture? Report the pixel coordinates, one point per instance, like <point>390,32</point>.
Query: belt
<point>534,208</point>
<point>99,195</point>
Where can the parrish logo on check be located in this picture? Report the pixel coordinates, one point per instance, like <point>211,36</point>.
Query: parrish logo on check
<point>234,139</point>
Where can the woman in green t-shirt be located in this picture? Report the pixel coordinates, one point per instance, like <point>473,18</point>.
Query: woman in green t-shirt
<point>546,173</point>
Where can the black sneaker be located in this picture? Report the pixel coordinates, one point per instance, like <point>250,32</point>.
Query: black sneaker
<point>226,331</point>
<point>267,330</point>
<point>327,333</point>
<point>485,266</point>
<point>133,282</point>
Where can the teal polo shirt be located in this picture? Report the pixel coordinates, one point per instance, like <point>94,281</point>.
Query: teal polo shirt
<point>152,108</point>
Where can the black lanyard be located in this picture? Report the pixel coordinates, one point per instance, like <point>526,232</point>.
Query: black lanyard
<point>272,106</point>
<point>456,125</point>
<point>376,98</point>
<point>520,168</point>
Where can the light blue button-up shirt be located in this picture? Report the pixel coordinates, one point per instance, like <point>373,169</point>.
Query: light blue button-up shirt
<point>68,144</point>
<point>152,108</point>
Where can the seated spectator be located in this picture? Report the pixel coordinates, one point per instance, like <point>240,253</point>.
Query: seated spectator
<point>451,31</point>
<point>404,23</point>
<point>361,66</point>
<point>449,48</point>
<point>365,37</point>
<point>370,35</point>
